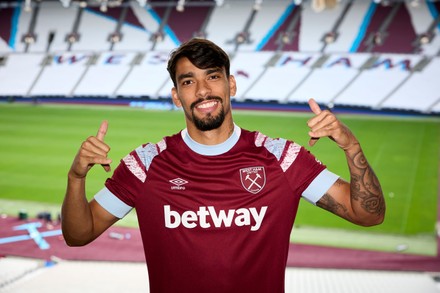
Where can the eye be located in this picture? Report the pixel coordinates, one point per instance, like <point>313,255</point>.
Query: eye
<point>214,76</point>
<point>187,82</point>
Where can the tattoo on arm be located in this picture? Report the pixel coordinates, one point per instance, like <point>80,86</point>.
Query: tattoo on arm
<point>364,186</point>
<point>365,191</point>
<point>330,204</point>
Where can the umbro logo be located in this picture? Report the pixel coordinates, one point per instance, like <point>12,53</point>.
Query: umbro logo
<point>177,183</point>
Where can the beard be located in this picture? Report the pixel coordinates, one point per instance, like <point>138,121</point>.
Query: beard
<point>209,122</point>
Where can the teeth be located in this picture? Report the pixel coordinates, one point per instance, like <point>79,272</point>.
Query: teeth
<point>207,105</point>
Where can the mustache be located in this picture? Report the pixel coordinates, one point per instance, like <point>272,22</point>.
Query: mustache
<point>208,98</point>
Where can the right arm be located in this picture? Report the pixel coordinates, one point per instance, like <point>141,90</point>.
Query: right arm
<point>83,221</point>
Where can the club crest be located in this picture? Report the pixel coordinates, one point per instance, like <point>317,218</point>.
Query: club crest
<point>253,179</point>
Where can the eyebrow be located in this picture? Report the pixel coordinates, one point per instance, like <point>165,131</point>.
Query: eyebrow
<point>185,75</point>
<point>191,74</point>
<point>213,70</point>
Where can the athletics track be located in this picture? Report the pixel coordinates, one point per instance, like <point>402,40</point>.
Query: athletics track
<point>36,239</point>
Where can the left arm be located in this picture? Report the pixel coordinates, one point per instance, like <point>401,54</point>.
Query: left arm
<point>361,200</point>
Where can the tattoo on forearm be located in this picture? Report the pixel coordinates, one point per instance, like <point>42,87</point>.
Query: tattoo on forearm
<point>328,203</point>
<point>365,186</point>
<point>365,191</point>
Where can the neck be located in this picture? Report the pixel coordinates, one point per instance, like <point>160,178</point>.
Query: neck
<point>212,137</point>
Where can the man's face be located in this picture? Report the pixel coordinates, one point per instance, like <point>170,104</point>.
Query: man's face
<point>204,94</point>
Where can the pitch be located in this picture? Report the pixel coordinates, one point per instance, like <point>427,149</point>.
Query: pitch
<point>38,143</point>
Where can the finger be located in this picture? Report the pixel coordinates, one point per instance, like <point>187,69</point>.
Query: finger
<point>100,136</point>
<point>314,107</point>
<point>106,167</point>
<point>313,140</point>
<point>316,110</point>
<point>91,158</point>
<point>102,130</point>
<point>92,144</point>
<point>320,128</point>
<point>326,121</point>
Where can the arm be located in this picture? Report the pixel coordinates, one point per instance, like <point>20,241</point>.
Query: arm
<point>84,221</point>
<point>361,200</point>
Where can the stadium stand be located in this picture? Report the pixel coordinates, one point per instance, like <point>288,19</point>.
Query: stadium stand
<point>149,72</point>
<point>19,73</point>
<point>379,55</point>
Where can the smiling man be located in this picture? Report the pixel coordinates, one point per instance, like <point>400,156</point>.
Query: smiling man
<point>216,203</point>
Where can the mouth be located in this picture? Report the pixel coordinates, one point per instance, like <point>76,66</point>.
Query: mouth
<point>207,106</point>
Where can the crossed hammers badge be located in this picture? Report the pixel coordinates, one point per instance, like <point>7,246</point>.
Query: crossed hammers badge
<point>253,179</point>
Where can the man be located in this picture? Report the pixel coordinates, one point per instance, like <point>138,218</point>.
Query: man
<point>216,203</point>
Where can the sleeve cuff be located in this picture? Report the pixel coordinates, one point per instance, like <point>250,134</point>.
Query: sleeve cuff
<point>112,204</point>
<point>319,186</point>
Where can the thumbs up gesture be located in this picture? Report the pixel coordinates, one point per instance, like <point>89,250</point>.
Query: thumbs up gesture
<point>92,151</point>
<point>325,124</point>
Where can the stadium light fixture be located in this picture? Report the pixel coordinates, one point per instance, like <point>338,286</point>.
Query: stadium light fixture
<point>142,3</point>
<point>157,37</point>
<point>414,3</point>
<point>103,7</point>
<point>378,38</point>
<point>72,38</point>
<point>286,37</point>
<point>114,3</point>
<point>241,38</point>
<point>29,38</point>
<point>65,3</point>
<point>180,6</point>
<point>115,37</point>
<point>257,4</point>
<point>330,37</point>
<point>200,35</point>
<point>28,5</point>
<point>425,38</point>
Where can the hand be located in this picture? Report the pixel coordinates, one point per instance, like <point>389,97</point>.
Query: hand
<point>92,151</point>
<point>325,124</point>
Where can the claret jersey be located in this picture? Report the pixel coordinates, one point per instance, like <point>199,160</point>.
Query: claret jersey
<point>216,218</point>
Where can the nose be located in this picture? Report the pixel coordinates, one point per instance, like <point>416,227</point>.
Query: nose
<point>203,89</point>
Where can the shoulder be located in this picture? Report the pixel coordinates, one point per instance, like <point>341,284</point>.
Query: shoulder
<point>284,150</point>
<point>145,153</point>
<point>273,145</point>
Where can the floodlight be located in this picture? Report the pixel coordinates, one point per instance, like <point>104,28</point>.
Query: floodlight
<point>115,37</point>
<point>72,38</point>
<point>29,38</point>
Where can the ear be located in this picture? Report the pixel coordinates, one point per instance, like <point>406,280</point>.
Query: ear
<point>232,85</point>
<point>175,97</point>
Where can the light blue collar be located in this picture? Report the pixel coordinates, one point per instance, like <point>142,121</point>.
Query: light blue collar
<point>211,150</point>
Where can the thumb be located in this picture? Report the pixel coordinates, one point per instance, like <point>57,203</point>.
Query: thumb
<point>102,130</point>
<point>316,110</point>
<point>314,106</point>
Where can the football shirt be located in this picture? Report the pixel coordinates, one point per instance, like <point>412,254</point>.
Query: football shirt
<point>216,218</point>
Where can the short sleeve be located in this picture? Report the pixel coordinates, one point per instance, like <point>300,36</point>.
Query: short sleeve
<point>319,186</point>
<point>112,203</point>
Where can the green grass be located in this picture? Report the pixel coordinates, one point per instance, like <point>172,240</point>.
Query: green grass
<point>39,142</point>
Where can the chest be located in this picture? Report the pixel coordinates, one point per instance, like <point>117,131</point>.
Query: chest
<point>214,192</point>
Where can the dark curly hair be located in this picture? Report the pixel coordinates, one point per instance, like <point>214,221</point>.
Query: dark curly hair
<point>202,53</point>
